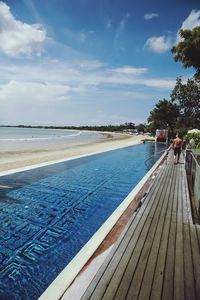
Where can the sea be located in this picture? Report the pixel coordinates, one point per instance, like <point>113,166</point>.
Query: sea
<point>15,138</point>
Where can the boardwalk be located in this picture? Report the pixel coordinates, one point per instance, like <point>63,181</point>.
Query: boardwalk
<point>158,254</point>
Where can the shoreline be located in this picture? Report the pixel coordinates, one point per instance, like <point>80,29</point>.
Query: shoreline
<point>43,154</point>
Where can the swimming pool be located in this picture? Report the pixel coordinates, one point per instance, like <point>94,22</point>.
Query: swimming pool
<point>47,214</point>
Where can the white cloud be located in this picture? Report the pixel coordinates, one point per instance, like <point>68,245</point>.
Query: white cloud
<point>193,20</point>
<point>33,93</point>
<point>121,27</point>
<point>150,16</point>
<point>163,43</point>
<point>90,64</point>
<point>78,77</point>
<point>32,102</point>
<point>63,92</point>
<point>32,8</point>
<point>158,83</point>
<point>130,70</point>
<point>123,22</point>
<point>19,38</point>
<point>159,44</point>
<point>133,81</point>
<point>78,36</point>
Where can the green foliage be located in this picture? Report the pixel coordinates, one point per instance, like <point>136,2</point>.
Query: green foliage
<point>188,49</point>
<point>183,109</point>
<point>164,115</point>
<point>195,137</point>
<point>187,98</point>
<point>182,132</point>
<point>110,128</point>
<point>141,127</point>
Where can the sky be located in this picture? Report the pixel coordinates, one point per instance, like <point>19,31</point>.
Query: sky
<point>89,62</point>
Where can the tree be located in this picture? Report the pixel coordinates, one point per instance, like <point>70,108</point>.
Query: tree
<point>188,49</point>
<point>130,125</point>
<point>141,127</point>
<point>164,115</point>
<point>187,98</point>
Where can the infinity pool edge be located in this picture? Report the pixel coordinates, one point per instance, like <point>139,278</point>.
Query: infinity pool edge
<point>58,287</point>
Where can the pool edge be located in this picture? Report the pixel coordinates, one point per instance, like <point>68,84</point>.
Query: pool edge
<point>58,287</point>
<point>47,163</point>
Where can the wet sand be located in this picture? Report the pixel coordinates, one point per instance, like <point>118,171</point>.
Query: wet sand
<point>27,157</point>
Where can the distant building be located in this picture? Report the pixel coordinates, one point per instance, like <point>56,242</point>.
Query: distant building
<point>161,135</point>
<point>131,131</point>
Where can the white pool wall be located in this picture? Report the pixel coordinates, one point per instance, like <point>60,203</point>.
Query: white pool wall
<point>58,287</point>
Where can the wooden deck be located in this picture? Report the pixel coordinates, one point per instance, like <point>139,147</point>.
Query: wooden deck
<point>158,254</point>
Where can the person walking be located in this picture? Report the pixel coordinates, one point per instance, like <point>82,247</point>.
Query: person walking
<point>177,144</point>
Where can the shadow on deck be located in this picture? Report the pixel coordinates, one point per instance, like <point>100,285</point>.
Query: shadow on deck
<point>158,254</point>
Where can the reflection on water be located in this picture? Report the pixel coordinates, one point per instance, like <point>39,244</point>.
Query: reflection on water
<point>154,153</point>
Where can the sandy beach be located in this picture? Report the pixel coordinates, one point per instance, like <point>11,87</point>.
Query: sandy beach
<point>26,157</point>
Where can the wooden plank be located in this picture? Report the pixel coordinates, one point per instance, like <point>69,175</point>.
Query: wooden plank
<point>146,282</point>
<point>158,254</point>
<point>138,236</point>
<point>189,287</point>
<point>108,268</point>
<point>153,276</point>
<point>136,253</point>
<point>188,265</point>
<point>122,245</point>
<point>135,278</point>
<point>198,233</point>
<point>179,269</point>
<point>187,213</point>
<point>108,262</point>
<point>156,291</point>
<point>168,283</point>
<point>195,258</point>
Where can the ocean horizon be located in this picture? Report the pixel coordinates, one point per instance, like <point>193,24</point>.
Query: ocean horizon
<point>23,137</point>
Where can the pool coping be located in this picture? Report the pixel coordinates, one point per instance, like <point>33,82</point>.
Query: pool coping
<point>59,286</point>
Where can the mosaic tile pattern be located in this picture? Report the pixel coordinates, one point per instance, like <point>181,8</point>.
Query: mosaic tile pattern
<point>48,214</point>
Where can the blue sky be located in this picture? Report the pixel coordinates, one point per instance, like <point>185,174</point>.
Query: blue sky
<point>89,62</point>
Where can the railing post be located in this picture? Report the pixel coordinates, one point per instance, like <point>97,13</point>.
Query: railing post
<point>192,168</point>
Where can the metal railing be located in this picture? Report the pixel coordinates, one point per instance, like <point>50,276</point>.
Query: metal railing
<point>193,176</point>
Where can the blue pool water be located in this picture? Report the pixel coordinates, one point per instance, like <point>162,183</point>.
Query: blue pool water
<point>48,214</point>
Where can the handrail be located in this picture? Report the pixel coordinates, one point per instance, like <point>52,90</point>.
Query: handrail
<point>193,156</point>
<point>193,176</point>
